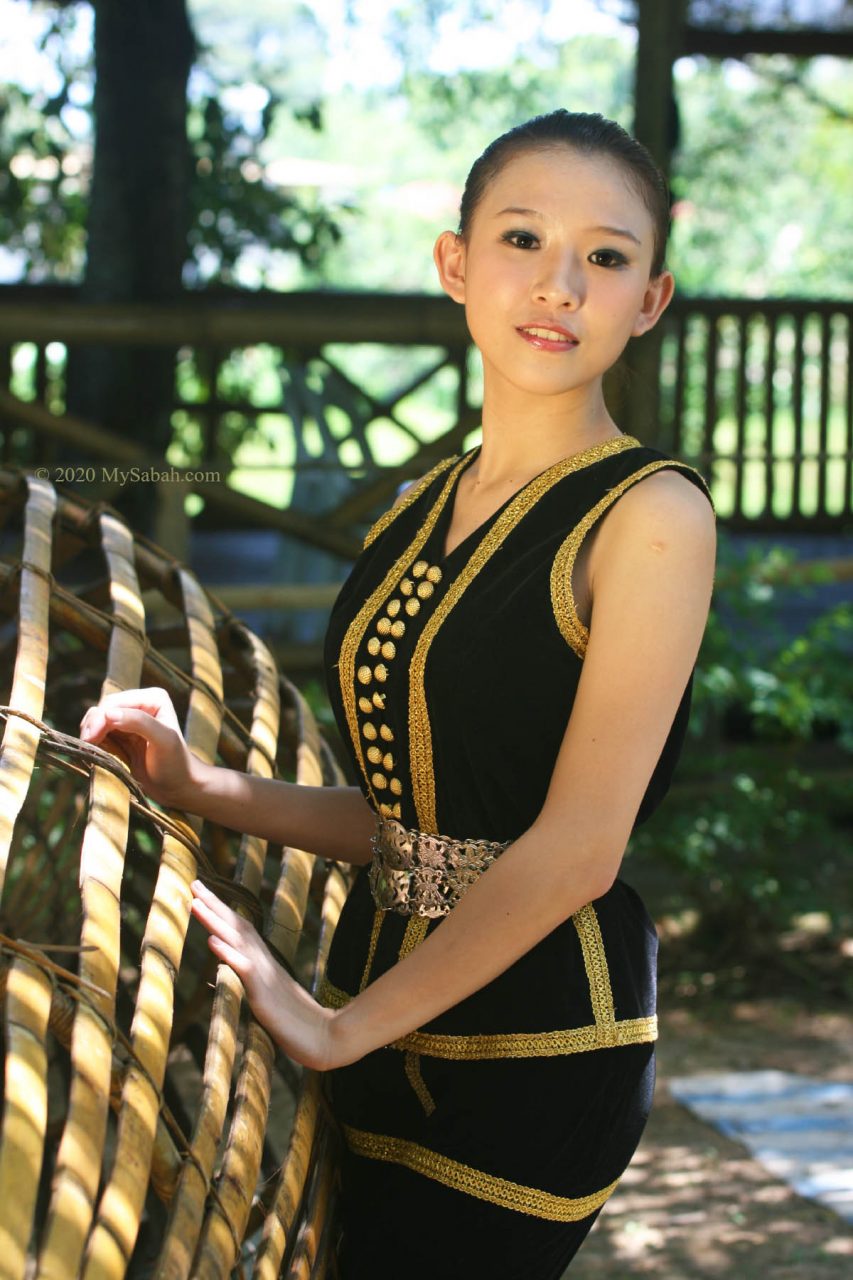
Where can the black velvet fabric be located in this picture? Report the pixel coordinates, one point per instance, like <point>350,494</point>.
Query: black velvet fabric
<point>500,680</point>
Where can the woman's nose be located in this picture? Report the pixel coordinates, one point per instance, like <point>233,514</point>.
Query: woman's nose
<point>561,280</point>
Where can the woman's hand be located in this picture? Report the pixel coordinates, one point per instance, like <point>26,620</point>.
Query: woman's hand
<point>303,1028</point>
<point>141,726</point>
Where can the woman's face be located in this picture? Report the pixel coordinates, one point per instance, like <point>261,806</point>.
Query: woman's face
<point>554,270</point>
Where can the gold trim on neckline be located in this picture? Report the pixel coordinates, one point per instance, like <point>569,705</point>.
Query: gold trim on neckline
<point>420,731</point>
<point>410,495</point>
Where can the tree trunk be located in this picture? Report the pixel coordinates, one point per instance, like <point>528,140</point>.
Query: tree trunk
<point>660,35</point>
<point>138,214</point>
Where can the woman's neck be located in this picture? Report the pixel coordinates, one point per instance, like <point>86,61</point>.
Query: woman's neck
<point>523,435</point>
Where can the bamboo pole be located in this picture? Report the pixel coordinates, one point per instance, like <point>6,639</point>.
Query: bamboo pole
<point>180,1245</point>
<point>24,1111</point>
<point>80,1156</point>
<point>20,739</point>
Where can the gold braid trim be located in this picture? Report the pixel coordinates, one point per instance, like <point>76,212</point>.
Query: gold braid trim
<point>473,1182</point>
<point>411,495</point>
<point>574,632</point>
<point>536,1044</point>
<point>330,996</point>
<point>356,629</point>
<point>412,1066</point>
<point>420,732</point>
<point>512,1044</point>
<point>414,935</point>
<point>595,963</point>
<point>378,917</point>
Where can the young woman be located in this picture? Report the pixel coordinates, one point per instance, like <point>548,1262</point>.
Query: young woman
<point>510,663</point>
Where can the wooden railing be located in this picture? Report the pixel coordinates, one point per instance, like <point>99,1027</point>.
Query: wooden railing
<point>759,393</point>
<point>323,403</point>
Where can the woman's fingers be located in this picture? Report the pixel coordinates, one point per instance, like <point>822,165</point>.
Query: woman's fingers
<point>224,923</point>
<point>229,955</point>
<point>216,905</point>
<point>125,707</point>
<point>216,924</point>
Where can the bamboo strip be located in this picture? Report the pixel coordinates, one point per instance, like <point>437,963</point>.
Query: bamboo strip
<point>291,894</point>
<point>66,1000</point>
<point>227,1216</point>
<point>179,1246</point>
<point>264,731</point>
<point>292,1176</point>
<point>79,1159</point>
<point>334,896</point>
<point>95,629</point>
<point>24,1111</point>
<point>226,1219</point>
<point>241,1161</point>
<point>119,1211</point>
<point>313,1237</point>
<point>121,1204</point>
<point>291,1182</point>
<point>20,740</point>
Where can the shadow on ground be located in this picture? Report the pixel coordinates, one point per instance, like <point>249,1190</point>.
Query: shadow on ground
<point>694,1205</point>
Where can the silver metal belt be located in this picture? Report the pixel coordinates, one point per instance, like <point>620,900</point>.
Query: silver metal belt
<point>416,874</point>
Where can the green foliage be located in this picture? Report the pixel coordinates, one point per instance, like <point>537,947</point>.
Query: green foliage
<point>235,210</point>
<point>43,165</point>
<point>755,829</point>
<point>760,198</point>
<point>759,177</point>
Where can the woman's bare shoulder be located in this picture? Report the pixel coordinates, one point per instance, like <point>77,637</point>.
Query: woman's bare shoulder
<point>661,509</point>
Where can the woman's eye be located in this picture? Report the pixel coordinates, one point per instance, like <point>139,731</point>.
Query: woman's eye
<point>520,239</point>
<point>607,258</point>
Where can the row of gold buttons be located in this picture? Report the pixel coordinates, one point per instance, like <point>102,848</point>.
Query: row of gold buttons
<point>390,627</point>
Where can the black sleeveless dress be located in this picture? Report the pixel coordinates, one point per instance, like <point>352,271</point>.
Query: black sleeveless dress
<point>485,1143</point>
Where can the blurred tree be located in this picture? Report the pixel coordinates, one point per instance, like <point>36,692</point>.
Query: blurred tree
<point>138,213</point>
<point>175,194</point>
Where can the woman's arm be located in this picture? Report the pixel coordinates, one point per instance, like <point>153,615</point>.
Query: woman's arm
<point>143,727</point>
<point>332,822</point>
<point>651,592</point>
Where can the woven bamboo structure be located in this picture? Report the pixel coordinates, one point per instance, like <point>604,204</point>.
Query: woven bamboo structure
<point>149,1128</point>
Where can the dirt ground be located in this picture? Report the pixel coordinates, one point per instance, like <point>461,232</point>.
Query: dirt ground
<point>695,1204</point>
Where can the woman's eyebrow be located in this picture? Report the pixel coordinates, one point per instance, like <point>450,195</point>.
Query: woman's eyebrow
<point>515,209</point>
<point>611,231</point>
<point>618,231</point>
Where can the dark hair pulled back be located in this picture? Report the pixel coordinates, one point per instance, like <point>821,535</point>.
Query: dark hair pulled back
<point>589,134</point>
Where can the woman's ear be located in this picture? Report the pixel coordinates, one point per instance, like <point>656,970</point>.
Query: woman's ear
<point>449,258</point>
<point>656,299</point>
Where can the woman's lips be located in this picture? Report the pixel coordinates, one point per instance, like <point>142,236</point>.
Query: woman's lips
<point>547,338</point>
